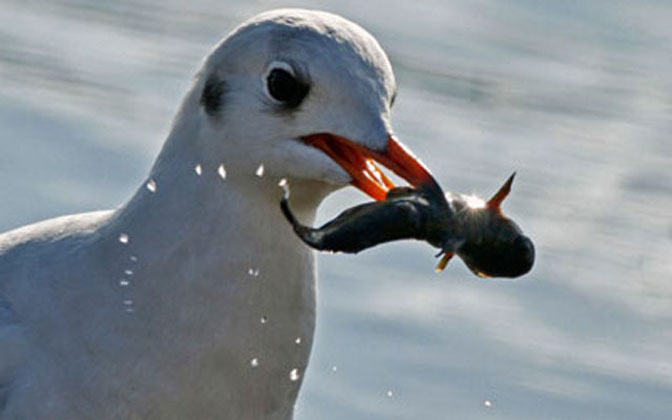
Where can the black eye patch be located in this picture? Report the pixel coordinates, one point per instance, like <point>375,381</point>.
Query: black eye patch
<point>212,97</point>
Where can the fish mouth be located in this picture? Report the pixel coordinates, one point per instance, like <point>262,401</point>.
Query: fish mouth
<point>361,163</point>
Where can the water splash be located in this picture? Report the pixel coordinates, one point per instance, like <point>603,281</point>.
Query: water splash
<point>260,170</point>
<point>221,171</point>
<point>334,368</point>
<point>254,362</point>
<point>487,403</point>
<point>133,258</point>
<point>128,272</point>
<point>128,303</point>
<point>124,238</point>
<point>254,272</point>
<point>151,185</point>
<point>124,282</point>
<point>298,340</point>
<point>294,375</point>
<point>285,187</point>
<point>264,319</point>
<point>198,169</point>
<point>389,394</point>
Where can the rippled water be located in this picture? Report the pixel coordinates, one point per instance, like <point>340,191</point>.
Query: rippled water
<point>576,96</point>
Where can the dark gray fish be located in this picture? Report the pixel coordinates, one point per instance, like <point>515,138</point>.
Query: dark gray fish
<point>490,244</point>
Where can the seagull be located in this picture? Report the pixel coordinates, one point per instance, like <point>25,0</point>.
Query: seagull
<point>194,299</point>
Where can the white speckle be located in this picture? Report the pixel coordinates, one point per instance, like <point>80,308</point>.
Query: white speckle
<point>221,171</point>
<point>487,403</point>
<point>294,375</point>
<point>254,272</point>
<point>128,272</point>
<point>298,340</point>
<point>254,362</point>
<point>151,185</point>
<point>130,310</point>
<point>133,258</point>
<point>389,394</point>
<point>124,283</point>
<point>285,187</point>
<point>128,302</point>
<point>264,319</point>
<point>334,368</point>
<point>124,239</point>
<point>260,170</point>
<point>198,169</point>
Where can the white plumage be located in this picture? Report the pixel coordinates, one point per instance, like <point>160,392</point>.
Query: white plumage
<point>187,301</point>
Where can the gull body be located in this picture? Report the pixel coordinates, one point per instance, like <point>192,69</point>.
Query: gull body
<point>194,299</point>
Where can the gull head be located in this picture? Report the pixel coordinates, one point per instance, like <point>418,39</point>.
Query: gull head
<point>306,94</point>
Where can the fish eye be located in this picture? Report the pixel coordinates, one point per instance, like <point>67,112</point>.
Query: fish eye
<point>283,86</point>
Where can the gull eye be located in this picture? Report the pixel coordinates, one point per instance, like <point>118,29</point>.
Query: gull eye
<point>284,87</point>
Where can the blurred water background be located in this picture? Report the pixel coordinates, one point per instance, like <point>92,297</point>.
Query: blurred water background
<point>574,95</point>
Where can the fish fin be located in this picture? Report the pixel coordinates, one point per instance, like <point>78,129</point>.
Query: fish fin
<point>496,200</point>
<point>444,261</point>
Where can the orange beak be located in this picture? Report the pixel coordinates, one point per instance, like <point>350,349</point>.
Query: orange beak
<point>360,163</point>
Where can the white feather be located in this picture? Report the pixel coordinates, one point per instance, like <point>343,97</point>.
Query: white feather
<point>166,323</point>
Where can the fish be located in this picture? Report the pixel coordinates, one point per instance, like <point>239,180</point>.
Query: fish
<point>477,231</point>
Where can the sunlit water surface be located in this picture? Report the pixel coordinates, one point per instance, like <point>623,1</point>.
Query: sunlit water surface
<point>576,96</point>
